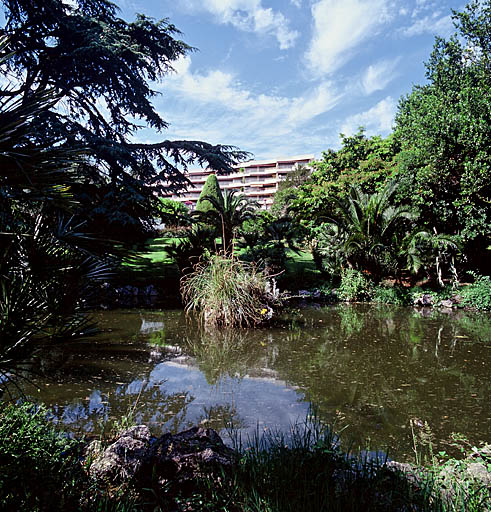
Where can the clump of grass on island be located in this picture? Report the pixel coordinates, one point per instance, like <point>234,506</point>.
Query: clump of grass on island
<point>224,291</point>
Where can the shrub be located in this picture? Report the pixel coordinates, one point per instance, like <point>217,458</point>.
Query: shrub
<point>173,213</point>
<point>227,292</point>
<point>328,253</point>
<point>39,466</point>
<point>395,295</point>
<point>355,286</point>
<point>478,294</point>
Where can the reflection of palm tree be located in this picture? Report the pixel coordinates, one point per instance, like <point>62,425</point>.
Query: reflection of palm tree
<point>228,214</point>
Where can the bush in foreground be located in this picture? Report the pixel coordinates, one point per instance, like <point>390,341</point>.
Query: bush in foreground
<point>40,467</point>
<point>304,470</point>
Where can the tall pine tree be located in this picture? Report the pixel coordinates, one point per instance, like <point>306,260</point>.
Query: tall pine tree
<point>102,68</point>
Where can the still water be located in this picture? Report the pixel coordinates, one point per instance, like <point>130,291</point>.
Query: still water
<point>368,370</point>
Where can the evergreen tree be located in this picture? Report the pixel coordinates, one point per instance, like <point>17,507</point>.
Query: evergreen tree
<point>102,67</point>
<point>211,189</point>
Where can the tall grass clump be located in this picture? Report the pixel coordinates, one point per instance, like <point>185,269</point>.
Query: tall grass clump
<point>224,291</point>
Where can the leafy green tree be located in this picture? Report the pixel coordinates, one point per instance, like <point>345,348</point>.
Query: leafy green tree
<point>287,190</point>
<point>365,162</point>
<point>443,126</point>
<point>103,67</point>
<point>211,189</point>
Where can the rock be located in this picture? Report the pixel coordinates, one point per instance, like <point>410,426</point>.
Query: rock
<point>424,300</point>
<point>447,303</point>
<point>173,460</point>
<point>151,291</point>
<point>122,460</point>
<point>478,471</point>
<point>93,450</point>
<point>457,299</point>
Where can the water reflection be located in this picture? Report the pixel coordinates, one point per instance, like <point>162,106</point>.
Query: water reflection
<point>369,369</point>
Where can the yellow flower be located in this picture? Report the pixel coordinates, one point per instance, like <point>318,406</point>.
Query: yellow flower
<point>264,311</point>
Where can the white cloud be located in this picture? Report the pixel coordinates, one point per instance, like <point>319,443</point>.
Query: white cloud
<point>296,3</point>
<point>249,16</point>
<point>225,90</point>
<point>377,120</point>
<point>216,107</point>
<point>322,99</point>
<point>339,28</point>
<point>378,76</point>
<point>430,25</point>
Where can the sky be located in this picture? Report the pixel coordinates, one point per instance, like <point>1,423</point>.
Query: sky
<point>280,78</point>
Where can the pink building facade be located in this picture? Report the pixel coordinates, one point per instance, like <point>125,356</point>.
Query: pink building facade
<point>257,180</point>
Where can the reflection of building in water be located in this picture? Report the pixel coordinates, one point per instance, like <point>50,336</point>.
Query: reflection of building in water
<point>257,180</point>
<point>147,327</point>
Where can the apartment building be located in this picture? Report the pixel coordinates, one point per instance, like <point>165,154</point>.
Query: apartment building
<point>257,180</point>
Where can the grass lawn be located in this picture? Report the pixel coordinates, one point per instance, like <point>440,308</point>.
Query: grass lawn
<point>152,264</point>
<point>301,272</point>
<point>154,250</point>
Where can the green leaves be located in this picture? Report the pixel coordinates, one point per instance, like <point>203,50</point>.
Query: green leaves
<point>102,67</point>
<point>446,124</point>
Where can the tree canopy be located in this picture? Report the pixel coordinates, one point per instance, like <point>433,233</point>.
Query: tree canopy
<point>444,130</point>
<point>364,161</point>
<point>103,68</point>
<point>211,190</point>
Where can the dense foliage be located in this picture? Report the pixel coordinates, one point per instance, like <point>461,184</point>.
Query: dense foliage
<point>40,466</point>
<point>102,67</point>
<point>444,131</point>
<point>48,265</point>
<point>439,157</point>
<point>173,214</point>
<point>363,161</point>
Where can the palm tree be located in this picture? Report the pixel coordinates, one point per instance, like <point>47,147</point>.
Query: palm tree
<point>46,263</point>
<point>227,215</point>
<point>373,228</point>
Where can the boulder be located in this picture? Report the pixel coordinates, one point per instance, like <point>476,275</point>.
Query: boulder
<point>447,303</point>
<point>170,461</point>
<point>424,300</point>
<point>122,460</point>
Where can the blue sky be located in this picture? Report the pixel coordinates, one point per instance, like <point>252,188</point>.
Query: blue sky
<point>281,78</point>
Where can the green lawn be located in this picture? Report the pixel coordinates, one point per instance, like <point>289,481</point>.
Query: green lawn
<point>153,263</point>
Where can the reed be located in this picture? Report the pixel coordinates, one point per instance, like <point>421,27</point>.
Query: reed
<point>224,291</point>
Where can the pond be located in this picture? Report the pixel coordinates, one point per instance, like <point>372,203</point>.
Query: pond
<point>368,370</point>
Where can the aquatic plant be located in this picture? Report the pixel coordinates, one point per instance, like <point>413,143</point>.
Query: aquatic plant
<point>225,291</point>
<point>354,286</point>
